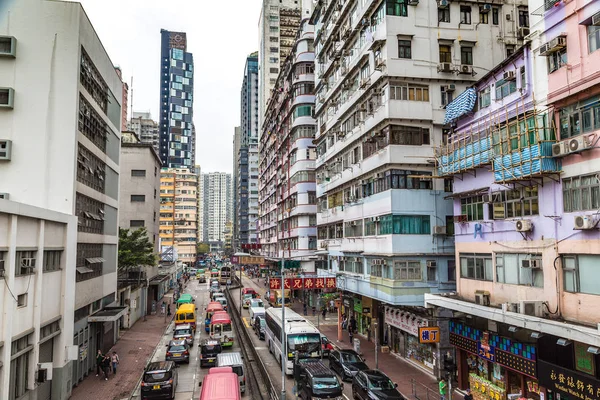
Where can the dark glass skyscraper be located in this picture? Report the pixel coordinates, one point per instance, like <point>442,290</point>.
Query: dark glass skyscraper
<point>177,139</point>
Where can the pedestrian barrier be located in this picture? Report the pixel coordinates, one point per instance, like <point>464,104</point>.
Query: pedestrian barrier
<point>261,386</point>
<point>422,392</point>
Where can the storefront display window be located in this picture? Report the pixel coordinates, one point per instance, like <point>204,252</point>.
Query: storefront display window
<point>421,353</point>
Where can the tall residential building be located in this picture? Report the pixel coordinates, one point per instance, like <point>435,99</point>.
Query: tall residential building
<point>178,212</point>
<point>237,144</point>
<point>277,27</point>
<point>145,128</point>
<point>526,200</point>
<point>246,171</point>
<point>287,166</point>
<point>176,128</point>
<point>216,195</point>
<point>63,164</point>
<point>124,97</point>
<point>385,72</point>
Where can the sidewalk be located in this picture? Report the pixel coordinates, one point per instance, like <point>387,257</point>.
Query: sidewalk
<point>399,370</point>
<point>134,348</point>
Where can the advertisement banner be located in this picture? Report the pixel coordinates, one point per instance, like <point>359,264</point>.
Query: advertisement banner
<point>303,283</point>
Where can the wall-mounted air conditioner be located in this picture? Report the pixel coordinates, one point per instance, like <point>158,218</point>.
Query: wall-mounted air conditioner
<point>466,69</point>
<point>8,46</point>
<point>482,297</point>
<point>509,76</point>
<point>439,230</point>
<point>7,98</point>
<point>444,67</point>
<point>524,225</point>
<point>585,222</point>
<point>534,308</point>
<point>510,307</point>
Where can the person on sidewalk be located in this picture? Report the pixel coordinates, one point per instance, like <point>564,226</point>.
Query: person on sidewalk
<point>468,395</point>
<point>344,322</point>
<point>106,366</point>
<point>331,306</point>
<point>169,310</point>
<point>114,359</point>
<point>353,323</point>
<point>324,313</point>
<point>99,359</point>
<point>351,335</point>
<point>305,308</point>
<point>443,388</point>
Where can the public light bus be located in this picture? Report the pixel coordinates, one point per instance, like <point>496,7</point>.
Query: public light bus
<point>221,328</point>
<point>300,335</point>
<point>221,383</point>
<point>225,275</point>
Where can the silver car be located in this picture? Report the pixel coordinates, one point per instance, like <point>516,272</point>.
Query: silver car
<point>184,332</point>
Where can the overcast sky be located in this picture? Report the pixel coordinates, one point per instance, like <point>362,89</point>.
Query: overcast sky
<point>220,34</point>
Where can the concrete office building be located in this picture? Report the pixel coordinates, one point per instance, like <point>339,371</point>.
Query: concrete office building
<point>287,177</point>
<point>145,128</point>
<point>216,207</point>
<point>246,169</point>
<point>177,140</point>
<point>63,156</point>
<point>277,26</point>
<point>385,72</point>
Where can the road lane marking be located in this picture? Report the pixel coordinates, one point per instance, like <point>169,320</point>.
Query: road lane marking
<point>246,322</point>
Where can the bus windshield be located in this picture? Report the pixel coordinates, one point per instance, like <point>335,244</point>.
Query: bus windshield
<point>306,344</point>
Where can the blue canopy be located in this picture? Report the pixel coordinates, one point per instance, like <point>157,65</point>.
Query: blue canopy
<point>463,104</point>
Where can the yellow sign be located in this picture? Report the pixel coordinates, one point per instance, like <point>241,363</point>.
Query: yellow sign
<point>251,260</point>
<point>429,334</point>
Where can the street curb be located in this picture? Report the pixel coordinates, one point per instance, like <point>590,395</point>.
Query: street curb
<point>150,358</point>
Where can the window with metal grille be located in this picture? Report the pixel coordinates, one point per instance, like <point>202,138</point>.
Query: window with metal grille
<point>89,261</point>
<point>91,124</point>
<point>20,350</point>
<point>25,262</point>
<point>92,81</point>
<point>90,213</point>
<point>91,171</point>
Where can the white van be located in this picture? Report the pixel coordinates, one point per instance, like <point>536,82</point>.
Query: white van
<point>233,360</point>
<point>254,312</point>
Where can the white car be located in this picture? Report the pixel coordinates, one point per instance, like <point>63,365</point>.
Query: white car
<point>256,303</point>
<point>222,300</point>
<point>254,312</point>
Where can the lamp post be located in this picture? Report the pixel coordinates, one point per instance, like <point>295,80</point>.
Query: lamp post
<point>283,342</point>
<point>375,325</point>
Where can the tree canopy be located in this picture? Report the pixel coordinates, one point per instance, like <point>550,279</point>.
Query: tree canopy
<point>203,248</point>
<point>135,249</point>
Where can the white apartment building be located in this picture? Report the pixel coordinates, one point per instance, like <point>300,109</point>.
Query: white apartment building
<point>287,178</point>
<point>216,205</point>
<point>385,71</point>
<point>145,128</point>
<point>277,27</point>
<point>62,122</point>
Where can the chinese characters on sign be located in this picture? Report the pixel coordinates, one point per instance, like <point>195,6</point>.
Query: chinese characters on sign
<point>303,283</point>
<point>571,383</point>
<point>404,320</point>
<point>430,334</point>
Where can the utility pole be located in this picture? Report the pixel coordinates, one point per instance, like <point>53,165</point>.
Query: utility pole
<point>283,341</point>
<point>376,324</point>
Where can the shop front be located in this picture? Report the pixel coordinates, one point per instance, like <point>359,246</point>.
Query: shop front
<point>493,366</point>
<point>560,383</point>
<point>402,335</point>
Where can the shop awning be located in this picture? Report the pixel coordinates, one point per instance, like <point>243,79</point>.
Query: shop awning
<point>95,260</point>
<point>109,314</point>
<point>158,279</point>
<point>468,193</point>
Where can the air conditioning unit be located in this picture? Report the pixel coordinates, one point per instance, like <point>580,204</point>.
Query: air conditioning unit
<point>7,97</point>
<point>413,2</point>
<point>558,43</point>
<point>4,196</point>
<point>444,67</point>
<point>522,32</point>
<point>449,88</point>
<point>532,263</point>
<point>482,297</point>
<point>577,144</point>
<point>544,49</point>
<point>1,268</point>
<point>376,219</point>
<point>487,198</point>
<point>466,69</point>
<point>8,46</point>
<point>596,19</point>
<point>443,4</point>
<point>558,149</point>
<point>585,222</point>
<point>509,76</point>
<point>486,8</point>
<point>533,308</point>
<point>28,263</point>
<point>524,225</point>
<point>5,150</point>
<point>510,307</point>
<point>439,230</point>
<point>364,82</point>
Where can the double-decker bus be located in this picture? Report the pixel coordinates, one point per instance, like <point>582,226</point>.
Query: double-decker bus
<point>300,336</point>
<point>225,275</point>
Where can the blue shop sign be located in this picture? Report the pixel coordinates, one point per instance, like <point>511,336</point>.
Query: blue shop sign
<point>486,351</point>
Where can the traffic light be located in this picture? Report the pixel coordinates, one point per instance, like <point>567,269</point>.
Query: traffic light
<point>449,364</point>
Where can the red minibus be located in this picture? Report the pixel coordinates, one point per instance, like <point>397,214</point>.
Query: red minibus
<point>221,383</point>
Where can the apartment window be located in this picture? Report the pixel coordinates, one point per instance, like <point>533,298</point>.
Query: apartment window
<point>408,135</point>
<point>484,17</point>
<point>274,49</point>
<point>89,261</point>
<point>510,50</point>
<point>581,193</point>
<point>49,330</point>
<point>447,97</point>
<point>26,261</point>
<point>274,39</point>
<point>485,97</point>
<point>136,223</point>
<point>303,111</point>
<point>405,225</point>
<point>444,14</point>
<point>520,269</point>
<point>20,351</point>
<point>22,300</point>
<point>451,271</point>
<point>377,270</point>
<point>91,171</point>
<point>404,49</point>
<point>465,15</point>
<point>472,207</point>
<point>466,55</point>
<point>579,118</point>
<point>495,16</point>
<point>431,271</point>
<point>52,260</point>
<point>138,198</point>
<point>304,88</point>
<point>92,81</point>
<point>521,202</point>
<point>274,70</point>
<point>408,91</point>
<point>522,75</point>
<point>580,273</point>
<point>557,60</point>
<point>138,172</point>
<point>445,53</point>
<point>476,266</point>
<point>273,59</point>
<point>91,124</point>
<point>505,88</point>
<point>273,29</point>
<point>407,271</point>
<point>524,18</point>
<point>90,214</point>
<point>397,8</point>
<point>593,32</point>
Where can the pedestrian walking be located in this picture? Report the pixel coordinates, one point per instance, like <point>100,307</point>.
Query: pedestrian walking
<point>99,359</point>
<point>106,366</point>
<point>344,322</point>
<point>331,306</point>
<point>162,308</point>
<point>114,359</point>
<point>443,388</point>
<point>305,308</point>
<point>351,335</point>
<point>352,323</point>
<point>169,310</point>
<point>324,313</point>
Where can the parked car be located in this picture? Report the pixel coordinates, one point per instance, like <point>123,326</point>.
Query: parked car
<point>184,332</point>
<point>178,351</point>
<point>346,363</point>
<point>374,384</point>
<point>159,381</point>
<point>259,326</point>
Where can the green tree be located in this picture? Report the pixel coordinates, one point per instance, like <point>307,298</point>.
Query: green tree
<point>135,249</point>
<point>203,248</point>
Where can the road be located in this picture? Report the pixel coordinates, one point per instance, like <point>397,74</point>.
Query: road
<point>189,374</point>
<point>272,365</point>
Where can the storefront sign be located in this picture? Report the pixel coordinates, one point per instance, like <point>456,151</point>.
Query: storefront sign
<point>482,389</point>
<point>404,320</point>
<point>83,351</point>
<point>571,383</point>
<point>430,334</point>
<point>487,352</point>
<point>366,310</point>
<point>346,302</point>
<point>303,283</point>
<point>358,305</point>
<point>584,360</point>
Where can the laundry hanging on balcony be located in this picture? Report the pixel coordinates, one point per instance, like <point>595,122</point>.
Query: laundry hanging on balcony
<point>463,104</point>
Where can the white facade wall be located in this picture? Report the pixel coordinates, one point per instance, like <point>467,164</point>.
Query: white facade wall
<point>216,193</point>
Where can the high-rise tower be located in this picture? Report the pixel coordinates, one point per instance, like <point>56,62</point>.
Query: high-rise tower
<point>176,101</point>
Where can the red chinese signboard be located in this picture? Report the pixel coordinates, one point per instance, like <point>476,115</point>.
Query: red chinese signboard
<point>297,283</point>
<point>303,283</point>
<point>274,284</point>
<point>309,283</point>
<point>320,283</point>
